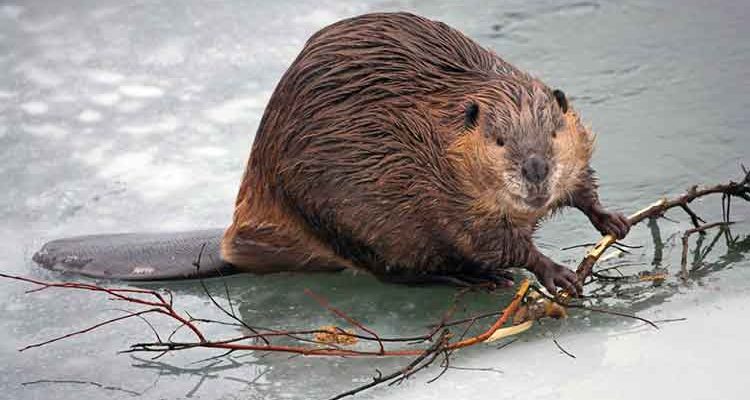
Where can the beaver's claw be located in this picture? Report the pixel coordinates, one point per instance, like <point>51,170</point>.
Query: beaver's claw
<point>562,277</point>
<point>553,275</point>
<point>610,223</point>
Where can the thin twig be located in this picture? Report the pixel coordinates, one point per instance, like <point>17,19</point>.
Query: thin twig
<point>230,314</point>
<point>90,328</point>
<point>567,353</point>
<point>380,379</point>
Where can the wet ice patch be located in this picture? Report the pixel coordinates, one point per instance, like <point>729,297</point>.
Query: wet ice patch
<point>82,54</point>
<point>207,151</point>
<point>619,353</point>
<point>44,25</point>
<point>145,173</point>
<point>34,107</point>
<point>47,131</point>
<point>318,17</point>
<point>203,127</point>
<point>190,93</point>
<point>11,11</point>
<point>578,8</point>
<point>62,98</point>
<point>95,156</point>
<point>161,180</point>
<point>105,77</point>
<point>166,125</point>
<point>50,40</point>
<point>41,77</point>
<point>104,12</point>
<point>170,53</point>
<point>106,99</point>
<point>240,109</point>
<point>128,164</point>
<point>89,116</point>
<point>141,91</point>
<point>129,107</point>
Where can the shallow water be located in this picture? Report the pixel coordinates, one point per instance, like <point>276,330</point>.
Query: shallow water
<point>137,117</point>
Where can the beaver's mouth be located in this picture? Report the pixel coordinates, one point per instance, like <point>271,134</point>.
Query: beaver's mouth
<point>536,200</point>
<point>525,196</point>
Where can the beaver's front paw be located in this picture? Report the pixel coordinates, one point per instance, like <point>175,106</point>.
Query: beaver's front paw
<point>552,275</point>
<point>610,223</point>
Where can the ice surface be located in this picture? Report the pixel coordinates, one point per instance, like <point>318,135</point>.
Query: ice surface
<point>122,117</point>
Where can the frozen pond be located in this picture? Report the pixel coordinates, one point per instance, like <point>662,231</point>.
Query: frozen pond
<point>138,116</point>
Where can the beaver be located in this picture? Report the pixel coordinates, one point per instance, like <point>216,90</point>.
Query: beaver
<point>396,145</point>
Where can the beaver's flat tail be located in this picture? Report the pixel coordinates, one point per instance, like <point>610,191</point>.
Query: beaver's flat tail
<point>137,256</point>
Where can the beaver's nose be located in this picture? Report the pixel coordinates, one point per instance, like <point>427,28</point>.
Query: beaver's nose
<point>534,169</point>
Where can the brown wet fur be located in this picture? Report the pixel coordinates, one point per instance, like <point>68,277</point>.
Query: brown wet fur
<point>364,159</point>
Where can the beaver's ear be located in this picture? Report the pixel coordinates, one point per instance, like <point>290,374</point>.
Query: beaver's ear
<point>562,101</point>
<point>471,115</point>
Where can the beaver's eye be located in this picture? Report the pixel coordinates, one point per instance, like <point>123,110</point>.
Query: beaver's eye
<point>500,142</point>
<point>562,101</point>
<point>471,115</point>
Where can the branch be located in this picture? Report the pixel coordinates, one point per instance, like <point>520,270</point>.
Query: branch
<point>127,295</point>
<point>739,189</point>
<point>163,307</point>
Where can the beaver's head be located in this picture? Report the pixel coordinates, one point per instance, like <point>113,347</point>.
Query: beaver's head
<point>524,149</point>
